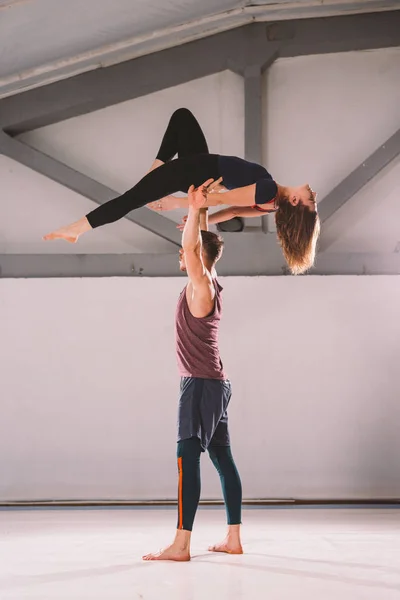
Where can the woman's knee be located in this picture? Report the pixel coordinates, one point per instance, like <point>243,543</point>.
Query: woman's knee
<point>182,114</point>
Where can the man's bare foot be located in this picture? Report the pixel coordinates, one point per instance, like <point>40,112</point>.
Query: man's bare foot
<point>228,547</point>
<point>178,551</point>
<point>173,552</point>
<point>231,544</point>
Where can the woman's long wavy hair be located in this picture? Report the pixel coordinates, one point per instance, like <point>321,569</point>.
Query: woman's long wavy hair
<point>298,230</point>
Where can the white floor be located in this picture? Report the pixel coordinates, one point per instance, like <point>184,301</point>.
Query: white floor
<point>324,554</point>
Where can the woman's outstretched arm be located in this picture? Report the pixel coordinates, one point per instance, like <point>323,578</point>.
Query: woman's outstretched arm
<point>239,197</point>
<point>226,214</point>
<point>173,202</point>
<point>233,211</point>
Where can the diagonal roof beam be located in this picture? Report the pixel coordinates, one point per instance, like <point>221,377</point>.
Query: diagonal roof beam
<point>84,185</point>
<point>104,87</point>
<point>358,178</point>
<point>249,45</point>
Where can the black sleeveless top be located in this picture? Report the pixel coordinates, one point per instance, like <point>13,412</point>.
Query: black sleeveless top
<point>237,172</point>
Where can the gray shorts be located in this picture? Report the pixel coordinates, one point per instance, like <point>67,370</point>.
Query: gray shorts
<point>202,411</point>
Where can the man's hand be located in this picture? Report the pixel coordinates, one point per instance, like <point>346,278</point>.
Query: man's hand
<point>197,197</point>
<point>210,188</point>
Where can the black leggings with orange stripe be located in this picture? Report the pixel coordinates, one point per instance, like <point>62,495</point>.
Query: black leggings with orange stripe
<point>189,452</point>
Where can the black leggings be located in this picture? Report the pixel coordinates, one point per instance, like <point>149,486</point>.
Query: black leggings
<point>189,452</point>
<point>183,137</point>
<point>194,165</point>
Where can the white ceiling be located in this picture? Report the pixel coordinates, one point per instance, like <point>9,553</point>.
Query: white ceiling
<point>47,40</point>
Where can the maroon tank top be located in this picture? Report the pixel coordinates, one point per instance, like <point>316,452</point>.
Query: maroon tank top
<point>197,340</point>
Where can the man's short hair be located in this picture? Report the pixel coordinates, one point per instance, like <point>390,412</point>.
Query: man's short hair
<point>213,245</point>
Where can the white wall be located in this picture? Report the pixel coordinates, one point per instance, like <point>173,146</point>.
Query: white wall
<point>89,387</point>
<point>88,384</point>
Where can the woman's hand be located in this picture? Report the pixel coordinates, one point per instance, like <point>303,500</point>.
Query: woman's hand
<point>181,225</point>
<point>216,187</point>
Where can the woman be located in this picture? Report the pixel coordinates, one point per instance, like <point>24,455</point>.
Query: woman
<point>248,185</point>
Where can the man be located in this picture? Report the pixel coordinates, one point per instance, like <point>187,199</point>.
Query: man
<point>205,391</point>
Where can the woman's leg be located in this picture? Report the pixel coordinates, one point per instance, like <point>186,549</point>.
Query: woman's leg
<point>183,137</point>
<point>177,175</point>
<point>174,176</point>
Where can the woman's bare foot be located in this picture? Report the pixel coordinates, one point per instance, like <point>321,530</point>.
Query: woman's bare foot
<point>178,551</point>
<point>231,544</point>
<point>64,233</point>
<point>70,233</point>
<point>173,552</point>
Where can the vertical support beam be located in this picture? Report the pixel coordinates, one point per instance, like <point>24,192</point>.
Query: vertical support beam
<point>253,119</point>
<point>253,113</point>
